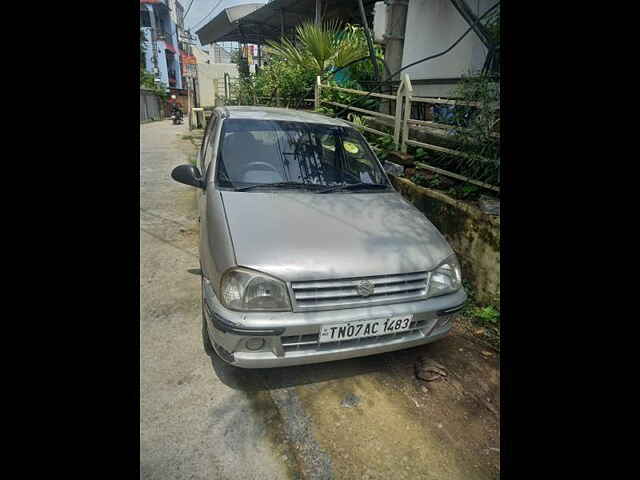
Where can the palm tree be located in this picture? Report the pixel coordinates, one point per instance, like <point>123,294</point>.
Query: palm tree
<point>320,48</point>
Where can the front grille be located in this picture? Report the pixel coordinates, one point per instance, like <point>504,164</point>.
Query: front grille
<point>328,294</point>
<point>309,343</point>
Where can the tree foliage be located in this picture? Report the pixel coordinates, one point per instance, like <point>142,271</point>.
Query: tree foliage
<point>319,48</point>
<point>477,128</point>
<point>475,132</point>
<point>363,71</point>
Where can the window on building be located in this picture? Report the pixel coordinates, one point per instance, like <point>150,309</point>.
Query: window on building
<point>179,15</point>
<point>145,18</point>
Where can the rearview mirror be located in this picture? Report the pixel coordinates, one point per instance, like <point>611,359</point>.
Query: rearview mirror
<point>189,175</point>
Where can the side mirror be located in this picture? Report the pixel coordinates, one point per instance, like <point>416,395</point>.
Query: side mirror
<point>189,175</point>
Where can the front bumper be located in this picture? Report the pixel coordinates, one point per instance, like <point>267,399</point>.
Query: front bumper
<point>289,336</point>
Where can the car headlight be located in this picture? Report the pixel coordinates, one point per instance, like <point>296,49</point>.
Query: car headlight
<point>446,278</point>
<point>247,290</point>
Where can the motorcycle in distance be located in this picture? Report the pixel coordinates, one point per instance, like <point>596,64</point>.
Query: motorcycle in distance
<point>176,116</point>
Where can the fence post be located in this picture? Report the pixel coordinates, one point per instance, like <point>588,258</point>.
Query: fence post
<point>408,90</point>
<point>398,119</point>
<point>316,98</point>
<point>277,97</point>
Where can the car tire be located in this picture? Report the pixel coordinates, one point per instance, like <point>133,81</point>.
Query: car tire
<point>206,341</point>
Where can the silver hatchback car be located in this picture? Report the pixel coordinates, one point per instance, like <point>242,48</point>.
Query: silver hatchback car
<point>308,254</point>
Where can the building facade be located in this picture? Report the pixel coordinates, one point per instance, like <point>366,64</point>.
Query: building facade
<point>161,22</point>
<point>433,26</point>
<point>210,76</point>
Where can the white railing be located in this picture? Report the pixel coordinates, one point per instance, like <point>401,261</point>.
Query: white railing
<point>397,118</point>
<point>402,121</point>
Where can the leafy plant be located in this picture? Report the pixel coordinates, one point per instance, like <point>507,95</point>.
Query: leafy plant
<point>358,121</point>
<point>290,82</point>
<point>482,319</point>
<point>363,71</point>
<point>147,80</point>
<point>465,191</point>
<point>277,83</point>
<point>487,314</point>
<point>420,154</point>
<point>244,90</point>
<point>382,145</point>
<point>319,48</point>
<point>476,128</point>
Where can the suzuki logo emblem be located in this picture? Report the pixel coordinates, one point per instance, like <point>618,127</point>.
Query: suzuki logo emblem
<point>365,288</point>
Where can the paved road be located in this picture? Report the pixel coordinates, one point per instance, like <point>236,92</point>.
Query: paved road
<point>363,418</point>
<point>192,425</point>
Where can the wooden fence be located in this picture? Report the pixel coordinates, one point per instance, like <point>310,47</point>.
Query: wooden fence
<point>402,121</point>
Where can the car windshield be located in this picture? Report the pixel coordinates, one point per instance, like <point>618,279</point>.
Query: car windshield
<point>280,154</point>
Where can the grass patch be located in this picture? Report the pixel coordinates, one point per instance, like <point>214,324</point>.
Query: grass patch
<point>482,320</point>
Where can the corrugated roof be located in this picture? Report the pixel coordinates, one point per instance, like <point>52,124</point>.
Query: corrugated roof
<point>265,22</point>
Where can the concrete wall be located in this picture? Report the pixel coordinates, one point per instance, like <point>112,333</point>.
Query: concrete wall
<point>433,26</point>
<point>202,56</point>
<point>150,106</point>
<point>473,235</point>
<point>207,73</point>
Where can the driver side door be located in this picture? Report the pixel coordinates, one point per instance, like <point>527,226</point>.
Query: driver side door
<point>204,160</point>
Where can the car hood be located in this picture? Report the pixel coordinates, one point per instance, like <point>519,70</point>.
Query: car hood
<point>310,236</point>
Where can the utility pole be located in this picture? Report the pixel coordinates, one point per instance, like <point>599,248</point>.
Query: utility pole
<point>394,37</point>
<point>281,24</point>
<point>365,25</point>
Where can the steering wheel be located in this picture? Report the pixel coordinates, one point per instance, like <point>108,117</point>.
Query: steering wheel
<point>262,164</point>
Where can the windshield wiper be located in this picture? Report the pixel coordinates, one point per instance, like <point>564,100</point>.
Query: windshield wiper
<point>353,186</point>
<point>274,184</point>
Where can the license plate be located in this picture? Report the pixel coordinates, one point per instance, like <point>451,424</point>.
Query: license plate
<point>364,328</point>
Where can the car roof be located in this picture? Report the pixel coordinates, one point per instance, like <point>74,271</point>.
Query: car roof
<point>282,114</point>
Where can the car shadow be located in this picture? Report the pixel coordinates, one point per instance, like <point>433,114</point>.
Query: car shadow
<point>259,379</point>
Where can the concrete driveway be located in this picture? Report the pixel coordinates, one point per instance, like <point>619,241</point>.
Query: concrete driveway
<point>362,418</point>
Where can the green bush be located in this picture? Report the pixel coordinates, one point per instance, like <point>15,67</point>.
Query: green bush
<point>291,82</point>
<point>363,71</point>
<point>475,131</point>
<point>147,82</point>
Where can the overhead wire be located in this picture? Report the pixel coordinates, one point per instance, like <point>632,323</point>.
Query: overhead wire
<point>188,8</point>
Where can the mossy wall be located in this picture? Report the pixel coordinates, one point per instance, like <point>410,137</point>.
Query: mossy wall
<point>474,235</point>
